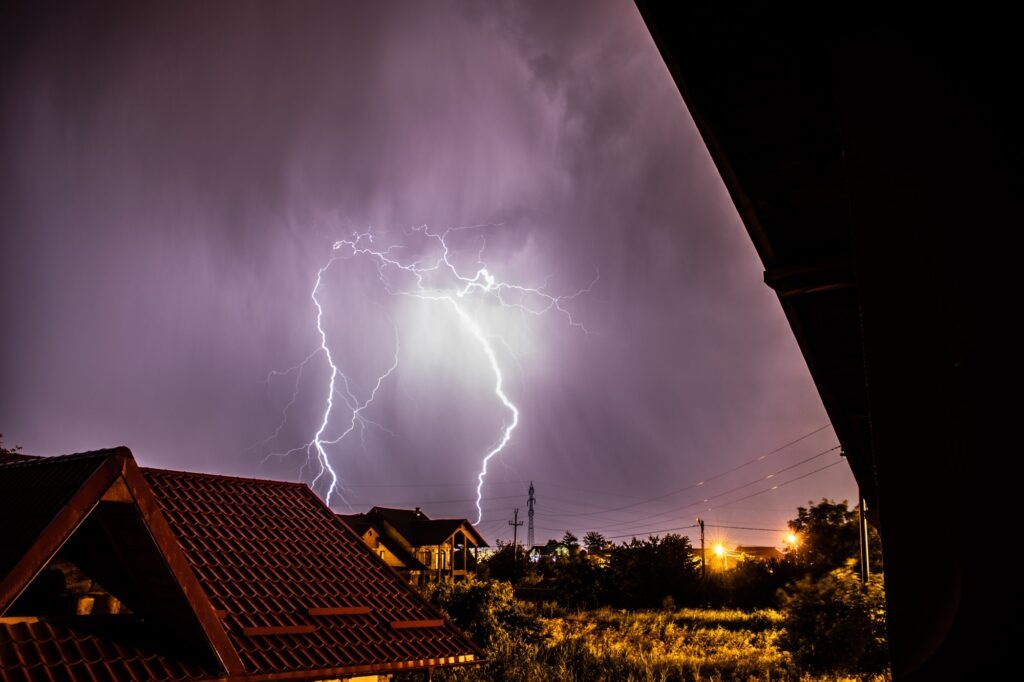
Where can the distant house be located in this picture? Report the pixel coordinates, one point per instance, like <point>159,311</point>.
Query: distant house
<point>420,548</point>
<point>751,552</point>
<point>113,572</point>
<point>550,551</point>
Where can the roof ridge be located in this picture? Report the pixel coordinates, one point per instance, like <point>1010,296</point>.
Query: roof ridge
<point>422,513</point>
<point>204,474</point>
<point>29,460</point>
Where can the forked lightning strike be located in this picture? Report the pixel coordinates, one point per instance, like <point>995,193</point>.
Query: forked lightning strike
<point>439,280</point>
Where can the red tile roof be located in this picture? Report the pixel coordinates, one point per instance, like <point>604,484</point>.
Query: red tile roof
<point>68,651</point>
<point>295,590</point>
<point>267,552</point>
<point>31,495</point>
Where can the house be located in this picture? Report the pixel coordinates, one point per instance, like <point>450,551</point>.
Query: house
<point>550,551</point>
<point>753,553</point>
<point>420,548</point>
<point>111,571</point>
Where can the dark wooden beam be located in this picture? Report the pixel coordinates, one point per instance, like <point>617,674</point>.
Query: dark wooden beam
<point>812,278</point>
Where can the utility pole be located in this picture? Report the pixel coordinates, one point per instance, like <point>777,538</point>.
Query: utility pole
<point>865,568</point>
<point>530,501</point>
<point>703,557</point>
<point>515,523</point>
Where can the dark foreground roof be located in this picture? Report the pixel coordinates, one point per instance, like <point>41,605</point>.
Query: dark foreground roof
<point>253,578</point>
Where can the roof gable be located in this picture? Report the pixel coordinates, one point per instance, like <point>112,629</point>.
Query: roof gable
<point>81,504</point>
<point>387,536</point>
<point>420,530</point>
<point>272,581</point>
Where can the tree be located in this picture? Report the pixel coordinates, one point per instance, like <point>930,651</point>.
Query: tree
<point>836,624</point>
<point>505,564</point>
<point>749,584</point>
<point>570,541</point>
<point>595,542</point>
<point>642,573</point>
<point>8,451</point>
<point>575,581</point>
<point>828,537</point>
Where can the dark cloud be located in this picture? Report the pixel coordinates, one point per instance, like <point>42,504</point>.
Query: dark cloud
<point>173,176</point>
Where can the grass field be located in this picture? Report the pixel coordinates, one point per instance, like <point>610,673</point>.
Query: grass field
<point>686,644</point>
<point>680,645</point>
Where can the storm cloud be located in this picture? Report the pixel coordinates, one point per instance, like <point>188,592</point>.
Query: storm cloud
<point>173,175</point>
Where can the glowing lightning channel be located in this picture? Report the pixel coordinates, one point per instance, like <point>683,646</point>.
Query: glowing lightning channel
<point>325,463</point>
<point>499,391</point>
<point>482,281</point>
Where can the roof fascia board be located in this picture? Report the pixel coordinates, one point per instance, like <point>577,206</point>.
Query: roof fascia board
<point>178,564</point>
<point>61,527</point>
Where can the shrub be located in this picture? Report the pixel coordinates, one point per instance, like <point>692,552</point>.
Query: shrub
<point>486,611</point>
<point>835,623</point>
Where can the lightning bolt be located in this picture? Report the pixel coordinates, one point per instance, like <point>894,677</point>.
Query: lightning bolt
<point>452,287</point>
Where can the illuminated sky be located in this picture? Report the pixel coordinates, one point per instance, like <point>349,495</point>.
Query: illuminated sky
<point>173,178</point>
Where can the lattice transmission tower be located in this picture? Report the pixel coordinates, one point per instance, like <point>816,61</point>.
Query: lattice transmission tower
<point>530,501</point>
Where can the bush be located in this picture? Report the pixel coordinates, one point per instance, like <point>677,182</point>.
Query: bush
<point>486,611</point>
<point>836,624</point>
<point>509,562</point>
<point>750,585</point>
<point>507,630</point>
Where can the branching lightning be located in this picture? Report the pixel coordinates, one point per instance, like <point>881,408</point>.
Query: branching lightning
<point>433,278</point>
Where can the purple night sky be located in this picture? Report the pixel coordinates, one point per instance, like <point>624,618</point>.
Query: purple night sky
<point>174,176</point>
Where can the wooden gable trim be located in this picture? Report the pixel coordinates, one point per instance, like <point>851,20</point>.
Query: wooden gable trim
<point>118,478</point>
<point>469,532</point>
<point>180,568</point>
<point>60,528</point>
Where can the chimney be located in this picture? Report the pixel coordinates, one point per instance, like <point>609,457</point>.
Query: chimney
<point>418,513</point>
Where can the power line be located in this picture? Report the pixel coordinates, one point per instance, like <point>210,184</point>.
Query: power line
<point>710,478</point>
<point>468,484</point>
<point>739,499</point>
<point>406,503</point>
<point>775,487</point>
<point>694,525</point>
<point>652,532</point>
<point>715,496</point>
<point>767,530</point>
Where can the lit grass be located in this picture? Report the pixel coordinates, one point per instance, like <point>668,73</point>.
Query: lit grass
<point>645,646</point>
<point>681,645</point>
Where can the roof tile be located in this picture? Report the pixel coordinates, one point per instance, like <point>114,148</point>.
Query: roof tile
<point>263,552</point>
<point>229,527</point>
